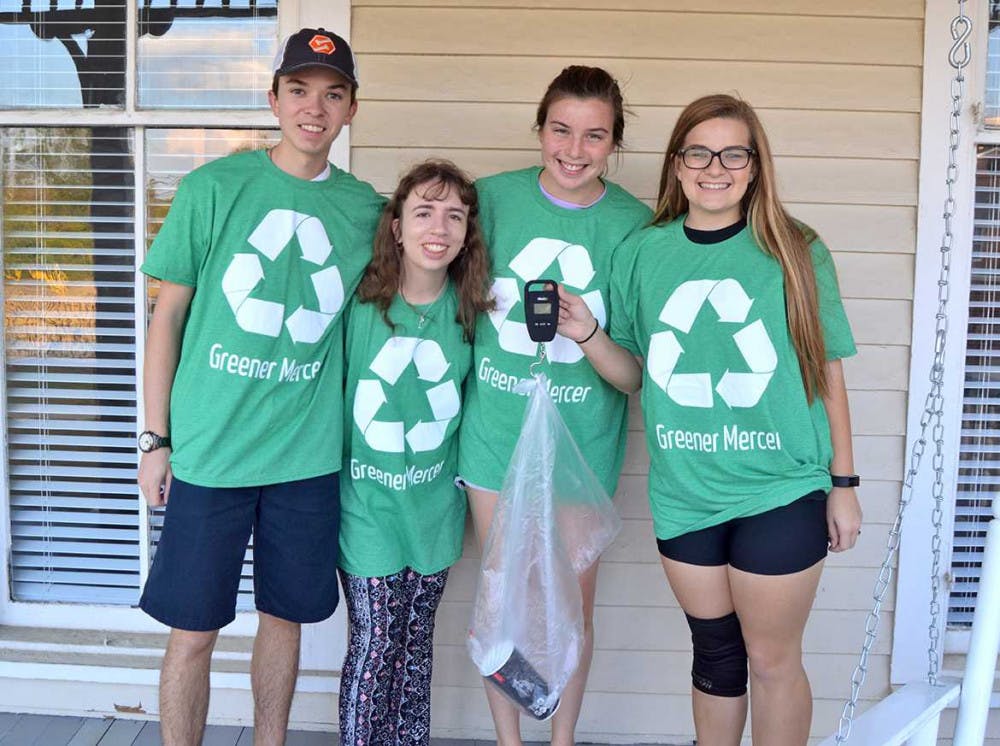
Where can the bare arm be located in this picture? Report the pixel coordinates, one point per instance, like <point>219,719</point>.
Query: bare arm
<point>163,345</point>
<point>614,363</point>
<point>843,511</point>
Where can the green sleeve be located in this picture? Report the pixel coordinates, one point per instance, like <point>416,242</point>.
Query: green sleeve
<point>182,243</point>
<point>837,336</point>
<point>623,309</point>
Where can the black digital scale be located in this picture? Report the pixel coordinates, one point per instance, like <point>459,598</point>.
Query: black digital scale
<point>541,309</point>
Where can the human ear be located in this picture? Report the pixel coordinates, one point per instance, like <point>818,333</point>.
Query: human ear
<point>351,113</point>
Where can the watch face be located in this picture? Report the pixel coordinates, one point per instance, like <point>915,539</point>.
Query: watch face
<point>147,442</point>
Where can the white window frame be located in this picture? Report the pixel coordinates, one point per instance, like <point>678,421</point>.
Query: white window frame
<point>913,592</point>
<point>318,652</point>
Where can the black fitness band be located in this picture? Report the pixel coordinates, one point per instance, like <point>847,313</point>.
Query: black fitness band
<point>851,480</point>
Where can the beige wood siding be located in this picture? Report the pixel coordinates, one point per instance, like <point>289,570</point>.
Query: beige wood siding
<point>838,86</point>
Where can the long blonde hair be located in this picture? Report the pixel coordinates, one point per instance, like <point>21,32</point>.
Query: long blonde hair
<point>774,230</point>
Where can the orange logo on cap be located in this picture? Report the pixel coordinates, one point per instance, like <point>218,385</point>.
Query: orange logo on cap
<point>322,44</point>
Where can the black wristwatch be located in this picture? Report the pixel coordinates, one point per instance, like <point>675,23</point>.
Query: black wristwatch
<point>150,441</point>
<point>849,481</point>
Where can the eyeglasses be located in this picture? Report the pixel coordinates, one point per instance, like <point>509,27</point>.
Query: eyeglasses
<point>732,159</point>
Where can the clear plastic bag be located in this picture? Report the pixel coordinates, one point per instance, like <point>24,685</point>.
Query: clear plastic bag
<point>552,521</point>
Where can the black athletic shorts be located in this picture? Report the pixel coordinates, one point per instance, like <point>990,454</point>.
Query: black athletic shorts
<point>779,542</point>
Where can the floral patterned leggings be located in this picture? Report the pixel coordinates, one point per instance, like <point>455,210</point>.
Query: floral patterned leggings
<point>385,686</point>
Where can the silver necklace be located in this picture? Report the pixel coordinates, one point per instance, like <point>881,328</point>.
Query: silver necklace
<point>423,315</point>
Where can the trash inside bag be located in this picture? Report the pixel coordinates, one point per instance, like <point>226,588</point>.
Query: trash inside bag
<point>553,520</point>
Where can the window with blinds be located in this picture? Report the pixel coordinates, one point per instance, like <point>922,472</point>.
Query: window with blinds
<point>68,228</point>
<point>70,342</point>
<point>979,461</point>
<point>69,334</point>
<point>979,457</point>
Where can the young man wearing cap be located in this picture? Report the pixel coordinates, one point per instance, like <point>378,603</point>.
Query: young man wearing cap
<point>243,389</point>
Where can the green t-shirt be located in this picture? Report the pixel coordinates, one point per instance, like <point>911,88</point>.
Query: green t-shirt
<point>273,260</point>
<point>531,238</point>
<point>728,426</point>
<point>399,503</point>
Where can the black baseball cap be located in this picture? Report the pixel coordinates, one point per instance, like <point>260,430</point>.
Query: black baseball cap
<point>316,46</point>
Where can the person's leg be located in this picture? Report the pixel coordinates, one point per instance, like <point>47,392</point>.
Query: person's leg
<point>273,671</point>
<point>295,539</point>
<point>413,724</point>
<point>506,718</point>
<point>773,610</point>
<point>372,653</point>
<point>704,594</point>
<point>184,686</point>
<point>352,672</point>
<point>404,590</point>
<point>571,701</point>
<point>775,569</point>
<point>192,588</point>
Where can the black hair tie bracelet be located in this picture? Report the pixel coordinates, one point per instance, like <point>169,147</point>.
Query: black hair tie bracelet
<point>597,325</point>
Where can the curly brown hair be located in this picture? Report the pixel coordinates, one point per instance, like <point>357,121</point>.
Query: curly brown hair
<point>469,271</point>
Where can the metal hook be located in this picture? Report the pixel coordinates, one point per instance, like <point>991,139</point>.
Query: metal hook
<point>961,29</point>
<point>539,361</point>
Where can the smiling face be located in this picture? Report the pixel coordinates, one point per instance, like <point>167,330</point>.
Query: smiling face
<point>576,141</point>
<point>312,105</point>
<point>714,193</point>
<point>431,227</point>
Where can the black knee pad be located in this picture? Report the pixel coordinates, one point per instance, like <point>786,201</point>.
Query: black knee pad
<point>720,656</point>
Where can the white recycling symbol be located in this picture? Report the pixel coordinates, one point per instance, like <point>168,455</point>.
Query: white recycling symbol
<point>245,272</point>
<point>390,362</point>
<point>732,304</point>
<point>531,263</point>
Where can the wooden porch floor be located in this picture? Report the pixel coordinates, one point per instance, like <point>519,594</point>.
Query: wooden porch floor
<point>47,730</point>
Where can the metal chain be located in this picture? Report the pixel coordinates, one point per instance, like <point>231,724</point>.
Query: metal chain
<point>932,416</point>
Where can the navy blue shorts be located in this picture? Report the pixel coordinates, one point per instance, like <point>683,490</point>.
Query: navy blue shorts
<point>195,574</point>
<point>779,542</point>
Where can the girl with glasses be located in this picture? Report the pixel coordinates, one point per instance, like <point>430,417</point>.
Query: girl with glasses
<point>726,312</point>
<point>561,221</point>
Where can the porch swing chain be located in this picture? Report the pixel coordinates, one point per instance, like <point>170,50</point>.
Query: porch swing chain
<point>958,57</point>
<point>933,413</point>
